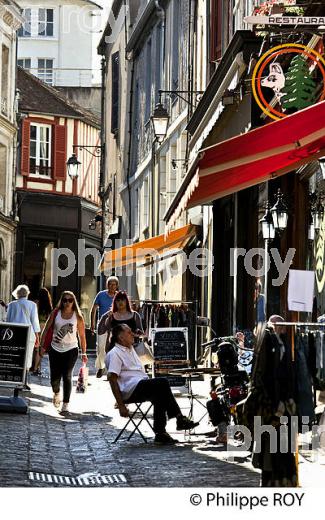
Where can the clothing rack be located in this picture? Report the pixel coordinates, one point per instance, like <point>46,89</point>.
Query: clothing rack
<point>178,302</point>
<point>299,324</point>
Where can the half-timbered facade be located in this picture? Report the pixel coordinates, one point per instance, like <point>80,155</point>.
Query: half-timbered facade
<point>55,210</point>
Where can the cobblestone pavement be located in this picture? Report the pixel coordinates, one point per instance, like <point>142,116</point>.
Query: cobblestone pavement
<point>44,449</point>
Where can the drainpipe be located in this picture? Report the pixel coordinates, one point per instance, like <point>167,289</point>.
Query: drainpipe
<point>102,171</point>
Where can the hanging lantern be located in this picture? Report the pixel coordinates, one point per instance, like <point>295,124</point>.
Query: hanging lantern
<point>73,166</point>
<point>266,222</point>
<point>280,213</point>
<point>321,162</point>
<point>160,120</point>
<point>311,232</point>
<point>318,215</point>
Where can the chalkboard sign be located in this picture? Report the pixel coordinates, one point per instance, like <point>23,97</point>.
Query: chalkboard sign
<point>14,340</point>
<point>170,345</point>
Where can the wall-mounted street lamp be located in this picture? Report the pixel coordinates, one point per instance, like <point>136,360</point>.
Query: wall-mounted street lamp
<point>73,166</point>
<point>274,219</point>
<point>160,121</point>
<point>93,223</point>
<point>160,117</point>
<point>279,213</point>
<point>268,230</point>
<point>318,215</point>
<point>321,162</point>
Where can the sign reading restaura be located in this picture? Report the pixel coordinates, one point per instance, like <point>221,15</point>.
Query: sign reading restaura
<point>285,20</point>
<point>14,341</point>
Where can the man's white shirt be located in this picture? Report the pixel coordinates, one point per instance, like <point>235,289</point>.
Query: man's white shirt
<point>125,363</point>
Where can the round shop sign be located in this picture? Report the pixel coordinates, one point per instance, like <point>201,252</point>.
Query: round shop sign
<point>291,71</point>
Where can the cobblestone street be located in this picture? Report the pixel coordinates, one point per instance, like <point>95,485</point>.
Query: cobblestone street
<point>44,449</point>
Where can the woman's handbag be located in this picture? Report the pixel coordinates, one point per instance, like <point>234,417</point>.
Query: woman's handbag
<point>144,353</point>
<point>82,382</point>
<point>49,334</point>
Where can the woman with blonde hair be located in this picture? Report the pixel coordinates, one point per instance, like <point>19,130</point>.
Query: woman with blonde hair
<point>68,324</point>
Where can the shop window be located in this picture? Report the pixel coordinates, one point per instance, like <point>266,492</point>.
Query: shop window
<point>40,150</point>
<point>45,70</point>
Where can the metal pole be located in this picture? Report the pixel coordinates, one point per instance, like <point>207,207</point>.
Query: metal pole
<point>234,315</point>
<point>266,269</point>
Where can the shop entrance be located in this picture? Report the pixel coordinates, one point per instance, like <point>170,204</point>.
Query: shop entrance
<point>37,266</point>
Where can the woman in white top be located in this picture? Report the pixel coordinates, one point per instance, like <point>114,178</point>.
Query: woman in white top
<point>67,327</point>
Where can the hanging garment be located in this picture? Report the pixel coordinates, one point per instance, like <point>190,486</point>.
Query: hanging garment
<point>304,396</point>
<point>272,396</point>
<point>320,361</point>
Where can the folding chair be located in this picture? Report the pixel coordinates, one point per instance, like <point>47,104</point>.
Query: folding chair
<point>136,421</point>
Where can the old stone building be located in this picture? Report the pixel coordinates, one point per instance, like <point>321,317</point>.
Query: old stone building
<point>10,21</point>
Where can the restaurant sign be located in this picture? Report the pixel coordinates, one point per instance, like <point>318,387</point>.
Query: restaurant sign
<point>294,73</point>
<point>285,20</point>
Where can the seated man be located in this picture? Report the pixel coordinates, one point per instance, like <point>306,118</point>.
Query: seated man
<point>130,383</point>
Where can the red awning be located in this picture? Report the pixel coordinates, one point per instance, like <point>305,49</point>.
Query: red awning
<point>252,158</point>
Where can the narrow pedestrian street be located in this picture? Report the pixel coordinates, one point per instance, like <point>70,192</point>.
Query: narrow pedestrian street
<point>43,448</point>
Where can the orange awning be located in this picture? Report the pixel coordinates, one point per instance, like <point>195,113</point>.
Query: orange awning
<point>152,249</point>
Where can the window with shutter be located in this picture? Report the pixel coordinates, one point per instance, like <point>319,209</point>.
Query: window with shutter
<point>216,9</point>
<point>115,91</point>
<point>25,147</point>
<point>40,156</point>
<point>60,152</point>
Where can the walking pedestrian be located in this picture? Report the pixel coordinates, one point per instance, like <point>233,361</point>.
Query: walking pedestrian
<point>45,307</point>
<point>68,324</point>
<point>102,304</point>
<point>24,311</point>
<point>121,313</point>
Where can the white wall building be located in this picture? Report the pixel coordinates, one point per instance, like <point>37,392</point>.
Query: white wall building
<point>10,21</point>
<point>56,40</point>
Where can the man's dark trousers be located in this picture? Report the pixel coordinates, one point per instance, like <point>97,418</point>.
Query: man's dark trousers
<point>159,393</point>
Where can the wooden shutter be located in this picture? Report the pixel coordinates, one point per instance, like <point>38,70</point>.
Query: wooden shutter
<point>115,91</point>
<point>60,152</point>
<point>25,147</point>
<point>216,29</point>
